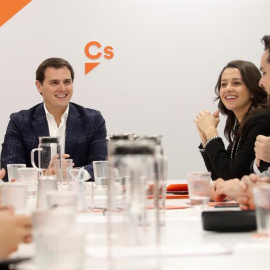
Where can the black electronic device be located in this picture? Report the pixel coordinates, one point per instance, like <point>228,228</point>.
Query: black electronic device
<point>10,264</point>
<point>229,221</point>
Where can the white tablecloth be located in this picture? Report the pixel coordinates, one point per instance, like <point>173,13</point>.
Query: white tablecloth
<point>184,245</point>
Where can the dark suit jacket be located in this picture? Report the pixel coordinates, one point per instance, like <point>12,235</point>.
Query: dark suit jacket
<point>218,160</point>
<point>85,136</point>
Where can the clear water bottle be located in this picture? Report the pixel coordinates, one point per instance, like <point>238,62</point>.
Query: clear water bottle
<point>159,186</point>
<point>136,224</point>
<point>120,169</point>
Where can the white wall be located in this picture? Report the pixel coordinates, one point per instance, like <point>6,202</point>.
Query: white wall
<point>167,57</point>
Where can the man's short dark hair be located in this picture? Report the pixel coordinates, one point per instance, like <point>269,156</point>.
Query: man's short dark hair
<point>266,42</point>
<point>54,63</point>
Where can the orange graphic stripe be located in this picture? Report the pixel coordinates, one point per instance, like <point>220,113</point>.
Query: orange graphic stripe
<point>8,8</point>
<point>90,66</point>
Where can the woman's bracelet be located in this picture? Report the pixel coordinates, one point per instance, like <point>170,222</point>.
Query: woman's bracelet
<point>209,140</point>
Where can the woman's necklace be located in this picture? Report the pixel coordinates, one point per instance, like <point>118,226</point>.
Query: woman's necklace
<point>235,147</point>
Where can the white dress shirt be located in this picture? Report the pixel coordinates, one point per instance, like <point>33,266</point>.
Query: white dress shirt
<point>60,131</point>
<point>255,168</point>
<point>257,171</point>
<point>56,131</point>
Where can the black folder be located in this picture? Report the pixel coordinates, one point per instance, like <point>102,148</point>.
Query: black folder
<point>229,221</point>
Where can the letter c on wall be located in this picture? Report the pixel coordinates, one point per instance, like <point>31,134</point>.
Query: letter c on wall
<point>87,47</point>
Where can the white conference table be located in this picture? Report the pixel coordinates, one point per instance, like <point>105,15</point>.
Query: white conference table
<point>184,243</point>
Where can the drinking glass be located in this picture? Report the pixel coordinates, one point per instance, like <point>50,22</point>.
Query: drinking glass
<point>60,250</point>
<point>14,194</point>
<point>199,188</point>
<point>75,175</point>
<point>76,183</point>
<point>61,167</point>
<point>12,170</point>
<point>46,183</point>
<point>59,243</point>
<point>101,173</point>
<point>89,196</point>
<point>29,176</point>
<point>262,204</point>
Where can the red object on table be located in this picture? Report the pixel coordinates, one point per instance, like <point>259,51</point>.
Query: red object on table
<point>177,187</point>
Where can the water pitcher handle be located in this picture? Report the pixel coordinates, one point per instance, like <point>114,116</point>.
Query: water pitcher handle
<point>33,157</point>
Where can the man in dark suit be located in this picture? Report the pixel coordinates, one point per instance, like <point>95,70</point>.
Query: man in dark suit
<point>82,131</point>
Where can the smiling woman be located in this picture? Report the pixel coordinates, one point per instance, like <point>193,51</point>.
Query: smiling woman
<point>244,102</point>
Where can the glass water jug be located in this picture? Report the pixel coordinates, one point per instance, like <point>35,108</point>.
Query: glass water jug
<point>48,148</point>
<point>138,225</point>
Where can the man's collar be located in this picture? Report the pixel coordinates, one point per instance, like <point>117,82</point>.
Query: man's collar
<point>64,115</point>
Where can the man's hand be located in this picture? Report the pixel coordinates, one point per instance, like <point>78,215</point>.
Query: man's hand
<point>262,149</point>
<point>2,173</point>
<point>245,195</point>
<point>50,170</point>
<point>226,189</point>
<point>213,188</point>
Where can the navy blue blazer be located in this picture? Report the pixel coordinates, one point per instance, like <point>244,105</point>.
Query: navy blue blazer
<point>85,136</point>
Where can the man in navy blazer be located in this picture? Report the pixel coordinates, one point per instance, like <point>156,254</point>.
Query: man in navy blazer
<point>82,131</point>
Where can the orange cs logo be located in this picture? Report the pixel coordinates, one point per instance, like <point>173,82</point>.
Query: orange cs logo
<point>93,50</point>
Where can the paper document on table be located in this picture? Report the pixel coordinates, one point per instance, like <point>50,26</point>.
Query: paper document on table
<point>163,251</point>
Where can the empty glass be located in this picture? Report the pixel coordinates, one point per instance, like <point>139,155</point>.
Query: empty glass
<point>59,243</point>
<point>60,250</point>
<point>89,196</point>
<point>75,179</point>
<point>101,173</point>
<point>12,170</point>
<point>61,167</point>
<point>74,175</point>
<point>46,183</point>
<point>29,176</point>
<point>14,194</point>
<point>262,203</point>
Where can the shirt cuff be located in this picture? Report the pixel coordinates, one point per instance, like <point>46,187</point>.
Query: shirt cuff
<point>87,175</point>
<point>201,149</point>
<point>255,168</point>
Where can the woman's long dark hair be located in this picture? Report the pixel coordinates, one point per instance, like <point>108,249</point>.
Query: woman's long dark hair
<point>250,76</point>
